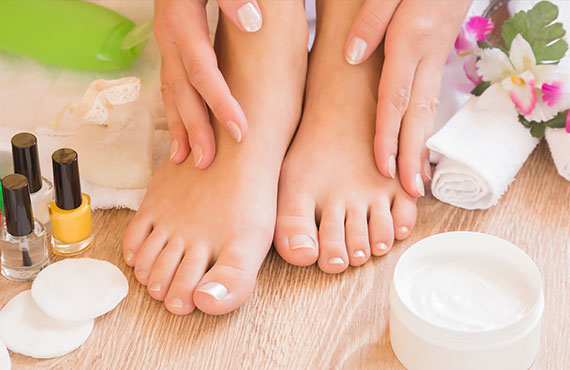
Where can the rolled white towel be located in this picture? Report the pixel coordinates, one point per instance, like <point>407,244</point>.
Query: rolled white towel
<point>483,148</point>
<point>559,143</point>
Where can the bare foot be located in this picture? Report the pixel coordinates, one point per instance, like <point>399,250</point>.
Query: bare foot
<point>200,236</point>
<point>329,177</point>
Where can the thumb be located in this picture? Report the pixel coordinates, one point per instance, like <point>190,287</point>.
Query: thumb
<point>244,14</point>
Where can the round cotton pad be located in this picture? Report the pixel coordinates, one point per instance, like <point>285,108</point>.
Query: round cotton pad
<point>26,329</point>
<point>79,289</point>
<point>4,357</point>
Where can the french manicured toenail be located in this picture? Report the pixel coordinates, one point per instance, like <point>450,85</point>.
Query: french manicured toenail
<point>392,165</point>
<point>420,184</point>
<point>154,286</point>
<point>129,256</point>
<point>382,247</point>
<point>404,230</point>
<point>216,290</point>
<point>359,254</point>
<point>142,274</point>
<point>299,241</point>
<point>336,261</point>
<point>175,303</point>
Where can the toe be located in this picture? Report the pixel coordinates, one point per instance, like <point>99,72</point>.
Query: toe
<point>164,269</point>
<point>381,227</point>
<point>231,280</point>
<point>404,213</point>
<point>147,254</point>
<point>357,242</point>
<point>191,269</point>
<point>296,231</point>
<point>333,257</point>
<point>135,235</point>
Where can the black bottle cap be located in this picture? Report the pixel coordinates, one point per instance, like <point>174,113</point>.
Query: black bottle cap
<point>17,205</point>
<point>66,179</point>
<point>26,160</point>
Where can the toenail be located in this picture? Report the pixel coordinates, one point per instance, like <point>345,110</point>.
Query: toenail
<point>299,241</point>
<point>129,256</point>
<point>336,261</point>
<point>216,290</point>
<point>359,254</point>
<point>155,286</point>
<point>141,274</point>
<point>175,303</point>
<point>404,230</point>
<point>382,247</point>
<point>420,184</point>
<point>234,131</point>
<point>392,165</point>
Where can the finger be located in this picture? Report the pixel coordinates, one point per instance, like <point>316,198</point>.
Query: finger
<point>393,99</point>
<point>368,29</point>
<point>202,68</point>
<point>244,14</point>
<point>417,123</point>
<point>190,107</point>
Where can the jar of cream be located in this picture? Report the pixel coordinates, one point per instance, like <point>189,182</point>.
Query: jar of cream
<point>465,300</point>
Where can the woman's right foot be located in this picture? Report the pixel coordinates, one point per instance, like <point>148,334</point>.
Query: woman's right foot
<point>200,236</point>
<point>329,177</point>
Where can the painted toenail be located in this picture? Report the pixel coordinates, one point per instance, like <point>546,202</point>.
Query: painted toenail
<point>129,256</point>
<point>198,154</point>
<point>392,165</point>
<point>356,50</point>
<point>299,241</point>
<point>420,184</point>
<point>359,254</point>
<point>249,17</point>
<point>336,261</point>
<point>382,247</point>
<point>216,290</point>
<point>427,168</point>
<point>404,230</point>
<point>173,148</point>
<point>155,286</point>
<point>175,303</point>
<point>234,131</point>
<point>141,274</point>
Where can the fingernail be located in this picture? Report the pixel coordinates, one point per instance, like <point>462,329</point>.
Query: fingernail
<point>356,50</point>
<point>129,256</point>
<point>234,131</point>
<point>404,230</point>
<point>173,148</point>
<point>336,261</point>
<point>175,303</point>
<point>216,290</point>
<point>141,274</point>
<point>154,286</point>
<point>420,184</point>
<point>427,168</point>
<point>299,241</point>
<point>382,247</point>
<point>359,254</point>
<point>392,165</point>
<point>249,17</point>
<point>198,153</point>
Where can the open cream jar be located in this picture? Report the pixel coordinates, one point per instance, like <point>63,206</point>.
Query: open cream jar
<point>465,300</point>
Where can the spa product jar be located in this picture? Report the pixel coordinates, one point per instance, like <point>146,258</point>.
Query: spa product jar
<point>468,301</point>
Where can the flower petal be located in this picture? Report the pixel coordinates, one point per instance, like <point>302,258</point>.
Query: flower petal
<point>551,93</point>
<point>479,28</point>
<point>521,91</point>
<point>463,46</point>
<point>542,112</point>
<point>494,65</point>
<point>521,54</point>
<point>568,123</point>
<point>470,68</point>
<point>544,73</point>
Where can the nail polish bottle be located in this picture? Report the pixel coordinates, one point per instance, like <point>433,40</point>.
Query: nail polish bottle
<point>26,162</point>
<point>70,213</point>
<point>23,240</point>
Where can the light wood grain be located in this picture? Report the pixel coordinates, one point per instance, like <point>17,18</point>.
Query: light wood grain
<point>301,318</point>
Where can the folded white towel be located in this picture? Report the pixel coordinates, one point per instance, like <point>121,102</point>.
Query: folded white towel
<point>483,148</point>
<point>559,144</point>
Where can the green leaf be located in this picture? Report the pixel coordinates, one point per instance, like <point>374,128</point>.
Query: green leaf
<point>483,44</point>
<point>525,122</point>
<point>480,88</point>
<point>559,121</point>
<point>538,130</point>
<point>537,27</point>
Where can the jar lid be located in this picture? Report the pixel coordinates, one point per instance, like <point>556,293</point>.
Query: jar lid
<point>66,179</point>
<point>17,205</point>
<point>26,159</point>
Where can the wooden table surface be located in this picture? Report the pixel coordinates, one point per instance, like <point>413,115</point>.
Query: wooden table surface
<point>301,318</point>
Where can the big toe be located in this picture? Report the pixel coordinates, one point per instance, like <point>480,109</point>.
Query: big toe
<point>296,231</point>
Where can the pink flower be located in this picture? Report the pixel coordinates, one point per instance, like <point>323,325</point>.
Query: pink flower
<point>568,123</point>
<point>476,29</point>
<point>551,93</point>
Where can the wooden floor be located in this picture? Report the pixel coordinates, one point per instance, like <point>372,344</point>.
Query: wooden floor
<point>301,318</point>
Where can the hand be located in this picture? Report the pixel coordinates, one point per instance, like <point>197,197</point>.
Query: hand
<point>418,37</point>
<point>191,79</point>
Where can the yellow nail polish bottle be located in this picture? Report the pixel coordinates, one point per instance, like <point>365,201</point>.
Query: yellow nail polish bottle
<point>70,213</point>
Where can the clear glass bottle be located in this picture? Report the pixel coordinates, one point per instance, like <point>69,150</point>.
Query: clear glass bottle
<point>23,240</point>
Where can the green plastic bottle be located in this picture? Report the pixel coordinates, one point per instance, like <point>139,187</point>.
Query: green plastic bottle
<point>71,33</point>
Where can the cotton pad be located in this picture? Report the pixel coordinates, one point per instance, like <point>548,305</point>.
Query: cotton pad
<point>4,357</point>
<point>79,289</point>
<point>26,329</point>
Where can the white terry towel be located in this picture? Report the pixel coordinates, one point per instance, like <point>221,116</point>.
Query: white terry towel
<point>483,148</point>
<point>559,143</point>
